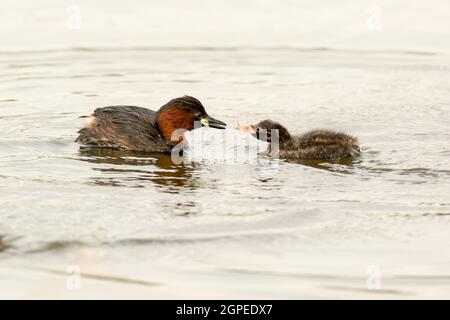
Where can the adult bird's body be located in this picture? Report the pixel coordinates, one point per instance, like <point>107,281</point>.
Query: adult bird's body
<point>140,129</point>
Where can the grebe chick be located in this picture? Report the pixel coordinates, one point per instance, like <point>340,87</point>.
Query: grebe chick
<point>312,145</point>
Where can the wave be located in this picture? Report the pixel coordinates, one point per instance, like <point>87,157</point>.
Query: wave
<point>220,48</point>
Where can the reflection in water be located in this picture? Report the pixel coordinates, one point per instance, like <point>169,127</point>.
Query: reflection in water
<point>329,165</point>
<point>154,167</point>
<point>2,244</point>
<point>136,169</point>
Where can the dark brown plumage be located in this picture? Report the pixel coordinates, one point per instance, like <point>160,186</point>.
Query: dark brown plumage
<point>312,145</point>
<point>134,128</point>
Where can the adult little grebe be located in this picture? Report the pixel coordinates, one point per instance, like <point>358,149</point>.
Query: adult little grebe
<point>139,129</point>
<point>312,145</point>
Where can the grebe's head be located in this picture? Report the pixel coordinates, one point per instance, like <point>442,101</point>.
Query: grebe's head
<point>182,113</point>
<point>263,130</point>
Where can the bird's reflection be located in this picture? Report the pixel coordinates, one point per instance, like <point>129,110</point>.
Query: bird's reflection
<point>138,170</point>
<point>135,169</point>
<point>2,244</point>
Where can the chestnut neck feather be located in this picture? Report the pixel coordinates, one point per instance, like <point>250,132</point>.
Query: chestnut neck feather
<point>172,119</point>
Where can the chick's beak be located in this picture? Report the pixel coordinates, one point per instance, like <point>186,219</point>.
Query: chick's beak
<point>209,121</point>
<point>246,128</point>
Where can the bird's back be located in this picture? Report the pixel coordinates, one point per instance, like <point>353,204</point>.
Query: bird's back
<point>124,128</point>
<point>320,145</point>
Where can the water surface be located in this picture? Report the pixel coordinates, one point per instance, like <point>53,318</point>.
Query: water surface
<point>214,229</point>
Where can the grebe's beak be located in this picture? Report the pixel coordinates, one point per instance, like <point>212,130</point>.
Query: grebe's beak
<point>249,128</point>
<point>246,128</point>
<point>213,123</point>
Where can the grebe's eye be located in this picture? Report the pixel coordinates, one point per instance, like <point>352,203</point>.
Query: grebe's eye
<point>197,115</point>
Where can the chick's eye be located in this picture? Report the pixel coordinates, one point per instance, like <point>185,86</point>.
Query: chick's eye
<point>197,115</point>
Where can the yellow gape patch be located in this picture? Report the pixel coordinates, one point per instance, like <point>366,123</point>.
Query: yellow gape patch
<point>204,122</point>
